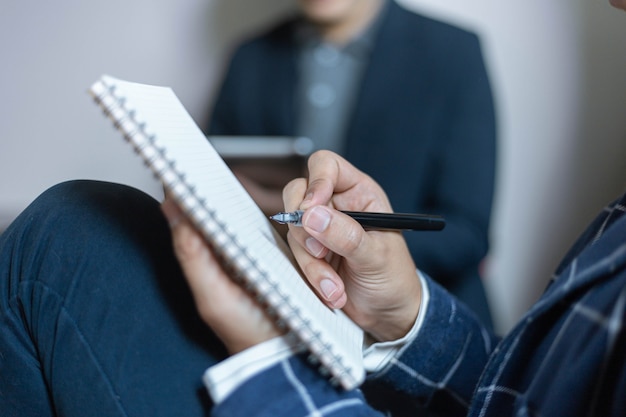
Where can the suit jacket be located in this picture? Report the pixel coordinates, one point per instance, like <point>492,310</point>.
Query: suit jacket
<point>423,127</point>
<point>566,357</point>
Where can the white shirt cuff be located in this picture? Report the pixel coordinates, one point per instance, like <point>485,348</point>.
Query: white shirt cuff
<point>225,377</point>
<point>377,355</point>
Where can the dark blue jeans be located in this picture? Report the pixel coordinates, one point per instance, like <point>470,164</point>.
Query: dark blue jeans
<point>96,318</point>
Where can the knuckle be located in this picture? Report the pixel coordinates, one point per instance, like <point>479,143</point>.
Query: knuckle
<point>294,187</point>
<point>317,155</point>
<point>352,240</point>
<point>186,245</point>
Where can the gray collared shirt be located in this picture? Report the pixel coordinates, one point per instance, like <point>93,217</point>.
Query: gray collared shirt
<point>328,83</point>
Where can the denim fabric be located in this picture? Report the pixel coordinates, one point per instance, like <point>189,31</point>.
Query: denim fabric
<point>96,318</point>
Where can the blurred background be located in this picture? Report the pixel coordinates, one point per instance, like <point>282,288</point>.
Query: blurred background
<point>557,70</point>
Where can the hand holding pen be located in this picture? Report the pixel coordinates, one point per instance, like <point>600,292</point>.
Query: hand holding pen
<point>371,276</point>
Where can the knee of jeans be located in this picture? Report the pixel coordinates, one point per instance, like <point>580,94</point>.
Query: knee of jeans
<point>63,227</point>
<point>88,211</point>
<point>77,224</point>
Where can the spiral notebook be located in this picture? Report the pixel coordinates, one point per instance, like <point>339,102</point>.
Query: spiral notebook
<point>155,123</point>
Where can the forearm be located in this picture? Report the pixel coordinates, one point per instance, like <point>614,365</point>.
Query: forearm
<point>225,377</point>
<point>291,388</point>
<point>441,379</point>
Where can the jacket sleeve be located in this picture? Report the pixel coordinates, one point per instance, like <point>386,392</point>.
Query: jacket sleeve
<point>442,366</point>
<point>292,388</point>
<point>439,369</point>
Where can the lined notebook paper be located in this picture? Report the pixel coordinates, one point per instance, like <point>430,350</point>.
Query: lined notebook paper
<point>155,123</point>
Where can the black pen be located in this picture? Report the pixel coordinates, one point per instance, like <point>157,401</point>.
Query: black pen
<point>375,221</point>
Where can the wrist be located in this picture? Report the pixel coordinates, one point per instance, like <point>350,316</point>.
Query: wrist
<point>394,326</point>
<point>396,321</point>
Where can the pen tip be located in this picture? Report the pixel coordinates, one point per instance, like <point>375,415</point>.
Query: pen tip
<point>277,217</point>
<point>283,217</point>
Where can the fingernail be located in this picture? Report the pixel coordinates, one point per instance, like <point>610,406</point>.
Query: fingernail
<point>328,288</point>
<point>317,218</point>
<point>314,247</point>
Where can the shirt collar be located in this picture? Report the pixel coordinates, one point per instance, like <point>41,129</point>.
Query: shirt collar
<point>360,46</point>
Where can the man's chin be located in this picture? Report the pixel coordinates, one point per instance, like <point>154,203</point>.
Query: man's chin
<point>620,4</point>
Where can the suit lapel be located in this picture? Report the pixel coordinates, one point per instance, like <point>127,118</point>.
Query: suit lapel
<point>377,76</point>
<point>280,77</point>
<point>391,73</point>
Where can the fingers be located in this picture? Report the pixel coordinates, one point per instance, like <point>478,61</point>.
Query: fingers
<point>236,319</point>
<point>322,277</point>
<point>324,176</point>
<point>370,275</point>
<point>197,261</point>
<point>327,237</point>
<point>334,181</point>
<point>310,253</point>
<point>338,232</point>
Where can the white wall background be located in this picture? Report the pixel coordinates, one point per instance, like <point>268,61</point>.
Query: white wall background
<point>557,68</point>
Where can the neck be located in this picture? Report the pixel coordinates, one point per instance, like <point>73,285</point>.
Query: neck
<point>341,32</point>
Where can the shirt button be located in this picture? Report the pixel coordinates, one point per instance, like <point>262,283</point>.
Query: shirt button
<point>326,56</point>
<point>321,95</point>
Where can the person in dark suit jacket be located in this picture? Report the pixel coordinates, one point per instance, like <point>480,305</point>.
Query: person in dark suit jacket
<point>415,112</point>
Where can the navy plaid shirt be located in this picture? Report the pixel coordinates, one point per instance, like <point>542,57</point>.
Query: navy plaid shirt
<point>566,357</point>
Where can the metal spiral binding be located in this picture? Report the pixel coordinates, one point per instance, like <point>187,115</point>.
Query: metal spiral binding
<point>234,255</point>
